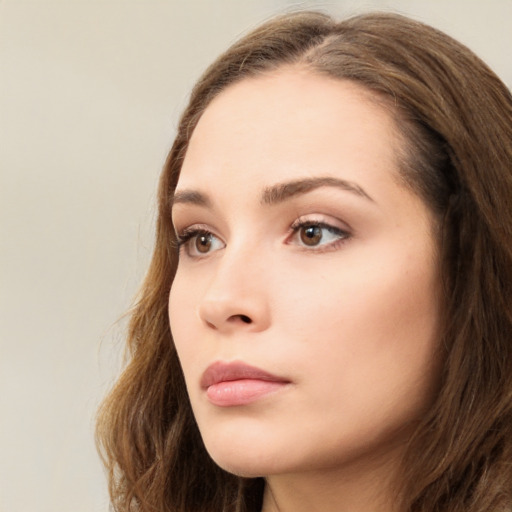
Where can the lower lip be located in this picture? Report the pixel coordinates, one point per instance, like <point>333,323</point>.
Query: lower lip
<point>241,392</point>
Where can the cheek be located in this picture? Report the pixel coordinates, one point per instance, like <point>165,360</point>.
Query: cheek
<point>178,308</point>
<point>186,292</point>
<point>182,317</point>
<point>366,329</point>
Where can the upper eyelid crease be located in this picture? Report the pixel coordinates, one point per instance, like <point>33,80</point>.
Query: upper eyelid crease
<point>276,193</point>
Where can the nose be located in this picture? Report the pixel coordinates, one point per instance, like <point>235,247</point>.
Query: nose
<point>236,298</point>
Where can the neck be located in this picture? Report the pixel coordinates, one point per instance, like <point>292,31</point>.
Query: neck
<point>360,488</point>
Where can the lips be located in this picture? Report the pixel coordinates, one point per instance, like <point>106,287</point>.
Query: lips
<point>235,384</point>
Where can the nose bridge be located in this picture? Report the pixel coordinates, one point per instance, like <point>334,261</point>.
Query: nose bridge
<point>237,294</point>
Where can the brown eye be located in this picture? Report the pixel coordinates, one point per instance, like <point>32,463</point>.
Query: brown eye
<point>311,235</point>
<point>203,243</point>
<point>198,242</point>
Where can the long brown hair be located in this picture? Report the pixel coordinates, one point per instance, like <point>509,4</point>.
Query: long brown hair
<point>455,118</point>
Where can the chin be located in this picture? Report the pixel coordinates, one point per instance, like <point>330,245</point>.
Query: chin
<point>245,456</point>
<point>240,461</point>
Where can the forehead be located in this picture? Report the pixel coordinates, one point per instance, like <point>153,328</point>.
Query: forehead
<point>288,124</point>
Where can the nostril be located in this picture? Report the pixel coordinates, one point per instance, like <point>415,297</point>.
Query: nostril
<point>245,319</point>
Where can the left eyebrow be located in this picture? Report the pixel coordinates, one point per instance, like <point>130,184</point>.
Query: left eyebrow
<point>283,191</point>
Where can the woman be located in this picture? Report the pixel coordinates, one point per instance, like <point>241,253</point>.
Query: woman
<point>334,260</point>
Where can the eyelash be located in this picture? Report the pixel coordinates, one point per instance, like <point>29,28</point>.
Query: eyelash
<point>341,234</point>
<point>187,235</point>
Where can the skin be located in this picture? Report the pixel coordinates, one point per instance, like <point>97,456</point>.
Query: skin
<point>350,322</point>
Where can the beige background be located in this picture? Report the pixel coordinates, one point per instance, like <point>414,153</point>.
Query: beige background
<point>89,96</point>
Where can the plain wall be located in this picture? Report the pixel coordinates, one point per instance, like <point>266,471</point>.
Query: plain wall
<point>90,92</point>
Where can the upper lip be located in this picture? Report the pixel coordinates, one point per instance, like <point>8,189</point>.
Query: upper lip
<point>223,372</point>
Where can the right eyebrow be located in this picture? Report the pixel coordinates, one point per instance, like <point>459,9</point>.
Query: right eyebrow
<point>190,197</point>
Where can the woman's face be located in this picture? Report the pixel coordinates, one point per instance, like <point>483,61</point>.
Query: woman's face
<point>305,306</point>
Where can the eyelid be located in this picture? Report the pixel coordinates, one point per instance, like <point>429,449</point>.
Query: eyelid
<point>323,220</point>
<point>183,232</point>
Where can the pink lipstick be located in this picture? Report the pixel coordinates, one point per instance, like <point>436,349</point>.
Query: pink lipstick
<point>233,384</point>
